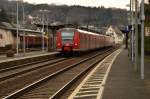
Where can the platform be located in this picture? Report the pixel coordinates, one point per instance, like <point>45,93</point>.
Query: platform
<point>21,56</point>
<point>124,83</point>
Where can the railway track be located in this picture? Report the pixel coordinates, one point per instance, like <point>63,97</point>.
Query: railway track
<point>26,60</point>
<point>27,78</point>
<point>93,85</point>
<point>24,65</point>
<point>11,72</point>
<point>54,84</point>
<point>17,79</point>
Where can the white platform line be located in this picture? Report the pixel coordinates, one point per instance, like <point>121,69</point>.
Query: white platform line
<point>100,94</point>
<point>113,55</point>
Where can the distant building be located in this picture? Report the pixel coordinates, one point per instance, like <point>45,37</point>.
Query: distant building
<point>8,36</point>
<point>116,34</point>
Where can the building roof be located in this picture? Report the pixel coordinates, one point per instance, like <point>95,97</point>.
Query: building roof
<point>116,30</point>
<point>5,24</point>
<point>8,26</point>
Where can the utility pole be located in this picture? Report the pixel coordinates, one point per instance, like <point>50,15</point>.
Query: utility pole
<point>47,33</point>
<point>142,39</point>
<point>42,30</point>
<point>43,19</point>
<point>130,22</point>
<point>136,36</point>
<point>133,47</point>
<point>23,22</point>
<point>130,11</point>
<point>17,40</point>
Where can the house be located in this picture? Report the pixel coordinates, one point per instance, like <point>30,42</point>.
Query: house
<point>116,34</point>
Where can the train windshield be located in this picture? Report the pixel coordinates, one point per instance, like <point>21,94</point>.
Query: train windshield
<point>67,35</point>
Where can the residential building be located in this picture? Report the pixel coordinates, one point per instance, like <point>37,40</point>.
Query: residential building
<point>116,34</point>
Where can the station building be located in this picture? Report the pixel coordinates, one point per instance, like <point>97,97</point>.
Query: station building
<point>8,35</point>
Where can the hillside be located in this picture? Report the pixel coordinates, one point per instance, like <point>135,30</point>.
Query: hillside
<point>67,14</point>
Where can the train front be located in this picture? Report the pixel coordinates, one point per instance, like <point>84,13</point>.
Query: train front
<point>67,40</point>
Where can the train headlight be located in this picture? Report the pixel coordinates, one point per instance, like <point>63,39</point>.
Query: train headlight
<point>76,44</point>
<point>58,44</point>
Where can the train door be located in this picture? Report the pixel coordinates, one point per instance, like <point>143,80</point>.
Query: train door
<point>90,40</point>
<point>83,39</point>
<point>87,41</point>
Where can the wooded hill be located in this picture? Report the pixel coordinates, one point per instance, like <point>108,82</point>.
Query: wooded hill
<point>68,14</point>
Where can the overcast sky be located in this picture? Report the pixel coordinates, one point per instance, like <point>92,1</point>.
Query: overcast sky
<point>106,3</point>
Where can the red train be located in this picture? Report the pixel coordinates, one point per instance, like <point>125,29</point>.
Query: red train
<point>76,40</point>
<point>33,41</point>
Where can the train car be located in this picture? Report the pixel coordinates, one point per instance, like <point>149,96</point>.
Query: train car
<point>76,40</point>
<point>33,41</point>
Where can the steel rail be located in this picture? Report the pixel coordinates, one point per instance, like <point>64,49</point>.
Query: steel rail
<point>37,83</point>
<point>23,65</point>
<point>76,78</point>
<point>31,69</point>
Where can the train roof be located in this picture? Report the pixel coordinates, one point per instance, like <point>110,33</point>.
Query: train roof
<point>67,29</point>
<point>79,30</point>
<point>87,32</point>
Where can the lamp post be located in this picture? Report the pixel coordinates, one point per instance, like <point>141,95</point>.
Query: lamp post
<point>42,29</point>
<point>142,39</point>
<point>23,22</point>
<point>132,8</point>
<point>17,40</point>
<point>43,22</point>
<point>136,36</point>
<point>48,34</point>
<point>43,33</point>
<point>130,34</point>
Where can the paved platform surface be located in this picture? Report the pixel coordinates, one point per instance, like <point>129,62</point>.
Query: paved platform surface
<point>26,55</point>
<point>124,83</point>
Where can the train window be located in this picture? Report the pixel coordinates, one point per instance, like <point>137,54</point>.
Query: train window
<point>1,36</point>
<point>67,35</point>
